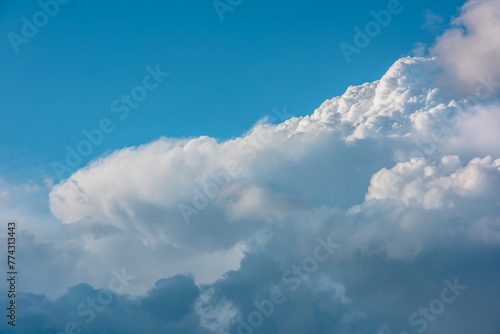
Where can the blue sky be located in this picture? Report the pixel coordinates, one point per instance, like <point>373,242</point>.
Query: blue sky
<point>224,75</point>
<point>174,169</point>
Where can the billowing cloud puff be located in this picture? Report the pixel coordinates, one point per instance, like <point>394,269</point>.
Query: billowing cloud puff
<point>470,51</point>
<point>437,185</point>
<point>194,202</point>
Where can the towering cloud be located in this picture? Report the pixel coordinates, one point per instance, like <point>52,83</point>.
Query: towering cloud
<point>378,213</point>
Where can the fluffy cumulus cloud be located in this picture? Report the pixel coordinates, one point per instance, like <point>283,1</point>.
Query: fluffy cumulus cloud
<point>378,213</point>
<point>470,51</point>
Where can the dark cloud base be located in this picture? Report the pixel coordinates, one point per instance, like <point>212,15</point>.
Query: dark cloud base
<point>380,293</point>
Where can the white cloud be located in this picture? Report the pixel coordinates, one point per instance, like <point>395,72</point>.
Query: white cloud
<point>405,178</point>
<point>470,50</point>
<point>283,174</point>
<point>436,185</point>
